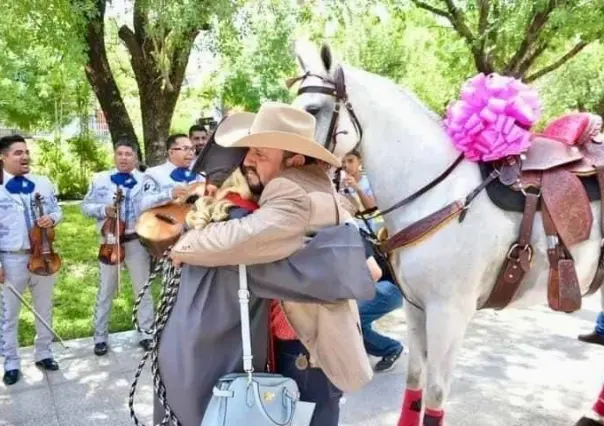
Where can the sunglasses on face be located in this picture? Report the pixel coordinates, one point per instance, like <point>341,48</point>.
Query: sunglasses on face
<point>184,148</point>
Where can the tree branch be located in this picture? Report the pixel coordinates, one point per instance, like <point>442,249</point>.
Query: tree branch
<point>530,36</point>
<point>136,53</point>
<point>530,60</point>
<point>557,64</point>
<point>483,15</point>
<point>459,22</point>
<point>140,21</point>
<point>431,8</point>
<point>180,59</point>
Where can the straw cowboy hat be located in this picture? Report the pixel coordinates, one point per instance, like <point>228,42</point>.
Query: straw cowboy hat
<point>276,125</point>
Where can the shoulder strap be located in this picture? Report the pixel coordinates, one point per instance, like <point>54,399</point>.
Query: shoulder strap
<point>335,204</point>
<point>244,298</point>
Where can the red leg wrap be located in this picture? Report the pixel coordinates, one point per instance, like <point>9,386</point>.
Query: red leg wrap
<point>412,408</point>
<point>433,417</point>
<point>599,405</point>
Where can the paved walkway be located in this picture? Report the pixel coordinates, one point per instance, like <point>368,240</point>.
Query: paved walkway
<point>518,367</point>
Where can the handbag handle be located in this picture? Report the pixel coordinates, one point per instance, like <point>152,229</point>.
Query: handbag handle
<point>290,407</point>
<point>244,298</point>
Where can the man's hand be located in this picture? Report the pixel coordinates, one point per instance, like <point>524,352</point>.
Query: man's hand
<point>179,192</point>
<point>110,211</point>
<point>45,222</point>
<point>351,182</point>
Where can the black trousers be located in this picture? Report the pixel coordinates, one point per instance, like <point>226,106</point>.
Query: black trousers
<point>313,384</point>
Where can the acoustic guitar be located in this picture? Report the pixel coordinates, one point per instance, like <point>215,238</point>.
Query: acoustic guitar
<point>160,227</point>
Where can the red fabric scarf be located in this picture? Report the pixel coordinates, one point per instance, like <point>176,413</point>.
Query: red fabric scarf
<point>236,199</point>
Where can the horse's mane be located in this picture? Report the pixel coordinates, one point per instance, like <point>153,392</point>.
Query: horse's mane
<point>387,89</point>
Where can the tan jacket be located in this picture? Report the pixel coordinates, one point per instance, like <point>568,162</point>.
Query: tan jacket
<point>292,207</point>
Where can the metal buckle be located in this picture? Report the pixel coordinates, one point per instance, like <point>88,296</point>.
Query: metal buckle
<point>516,246</point>
<point>523,190</point>
<point>243,294</point>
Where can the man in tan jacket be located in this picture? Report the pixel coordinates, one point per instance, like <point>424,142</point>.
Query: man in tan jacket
<point>323,351</point>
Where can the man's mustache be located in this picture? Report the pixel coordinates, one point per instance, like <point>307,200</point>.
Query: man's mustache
<point>250,169</point>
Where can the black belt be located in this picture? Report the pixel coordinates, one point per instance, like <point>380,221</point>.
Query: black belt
<point>126,238</point>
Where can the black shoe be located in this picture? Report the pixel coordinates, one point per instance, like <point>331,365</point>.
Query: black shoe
<point>145,344</point>
<point>100,349</point>
<point>584,421</point>
<point>11,377</point>
<point>48,364</point>
<point>592,337</point>
<point>387,362</point>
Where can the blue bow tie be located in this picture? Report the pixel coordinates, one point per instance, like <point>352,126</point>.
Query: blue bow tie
<point>20,185</point>
<point>123,179</point>
<point>182,174</point>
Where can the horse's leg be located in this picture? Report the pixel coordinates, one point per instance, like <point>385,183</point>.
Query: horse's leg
<point>446,325</point>
<point>412,402</point>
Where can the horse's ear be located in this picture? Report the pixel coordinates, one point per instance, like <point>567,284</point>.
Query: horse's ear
<point>326,57</point>
<point>301,63</point>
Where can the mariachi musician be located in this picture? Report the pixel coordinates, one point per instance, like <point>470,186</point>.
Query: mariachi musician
<point>19,217</point>
<point>102,204</point>
<point>170,181</point>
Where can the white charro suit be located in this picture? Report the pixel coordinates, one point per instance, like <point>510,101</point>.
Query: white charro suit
<point>101,194</point>
<point>17,216</point>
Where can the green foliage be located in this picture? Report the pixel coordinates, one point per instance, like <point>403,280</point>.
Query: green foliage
<point>41,77</point>
<point>71,165</point>
<point>256,56</point>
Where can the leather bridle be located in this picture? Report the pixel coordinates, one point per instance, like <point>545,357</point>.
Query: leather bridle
<point>337,89</point>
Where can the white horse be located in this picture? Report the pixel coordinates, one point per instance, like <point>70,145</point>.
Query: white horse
<point>453,271</point>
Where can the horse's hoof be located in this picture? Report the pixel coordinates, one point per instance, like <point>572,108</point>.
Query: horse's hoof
<point>585,421</point>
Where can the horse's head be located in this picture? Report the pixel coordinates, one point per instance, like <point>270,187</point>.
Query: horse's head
<point>322,93</point>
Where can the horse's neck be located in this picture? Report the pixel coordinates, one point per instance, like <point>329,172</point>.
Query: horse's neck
<point>404,148</point>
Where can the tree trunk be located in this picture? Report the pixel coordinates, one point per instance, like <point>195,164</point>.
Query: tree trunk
<point>156,128</point>
<point>101,79</point>
<point>599,109</point>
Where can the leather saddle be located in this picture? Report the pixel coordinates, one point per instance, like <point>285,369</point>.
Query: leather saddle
<point>549,176</point>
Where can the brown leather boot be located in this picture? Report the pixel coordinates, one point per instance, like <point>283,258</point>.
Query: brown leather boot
<point>592,337</point>
<point>584,421</point>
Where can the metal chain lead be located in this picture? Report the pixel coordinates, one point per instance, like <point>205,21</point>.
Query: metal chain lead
<point>171,282</point>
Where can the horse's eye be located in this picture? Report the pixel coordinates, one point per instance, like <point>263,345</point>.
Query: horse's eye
<point>313,109</point>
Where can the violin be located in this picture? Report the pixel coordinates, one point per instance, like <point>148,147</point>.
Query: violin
<point>111,251</point>
<point>161,227</point>
<point>41,262</point>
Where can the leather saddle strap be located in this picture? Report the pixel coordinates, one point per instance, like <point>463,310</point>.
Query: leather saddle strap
<point>563,291</point>
<point>423,227</point>
<point>598,279</point>
<point>517,261</point>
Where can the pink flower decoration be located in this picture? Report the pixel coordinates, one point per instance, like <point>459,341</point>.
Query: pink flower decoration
<point>492,120</point>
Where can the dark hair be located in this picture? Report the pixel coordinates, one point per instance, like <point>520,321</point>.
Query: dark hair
<point>172,139</point>
<point>7,141</point>
<point>356,153</point>
<point>127,144</point>
<point>196,128</point>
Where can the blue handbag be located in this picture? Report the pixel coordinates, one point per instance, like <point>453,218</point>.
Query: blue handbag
<point>255,399</point>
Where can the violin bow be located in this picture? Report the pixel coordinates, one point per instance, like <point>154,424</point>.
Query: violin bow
<point>117,233</point>
<point>36,314</point>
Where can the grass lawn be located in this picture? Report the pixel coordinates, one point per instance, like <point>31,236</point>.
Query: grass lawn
<point>77,242</point>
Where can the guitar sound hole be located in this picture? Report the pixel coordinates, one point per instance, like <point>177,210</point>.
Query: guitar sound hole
<point>166,218</point>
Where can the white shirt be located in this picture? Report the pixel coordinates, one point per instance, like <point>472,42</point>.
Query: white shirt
<point>18,213</point>
<point>158,185</point>
<point>101,193</point>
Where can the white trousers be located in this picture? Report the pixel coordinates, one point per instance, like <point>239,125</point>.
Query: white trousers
<point>16,273</point>
<point>137,261</point>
